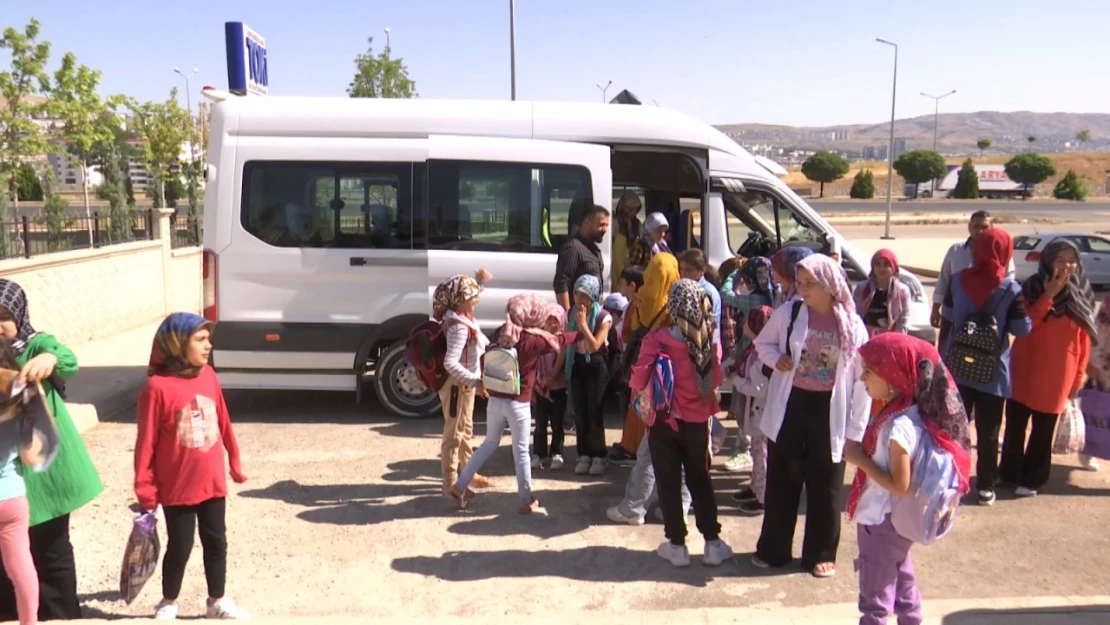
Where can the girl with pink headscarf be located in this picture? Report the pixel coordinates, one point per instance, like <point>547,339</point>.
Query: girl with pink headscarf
<point>815,402</point>
<point>549,401</point>
<point>526,316</point>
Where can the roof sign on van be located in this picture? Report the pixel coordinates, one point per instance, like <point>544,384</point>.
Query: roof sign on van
<point>247,70</point>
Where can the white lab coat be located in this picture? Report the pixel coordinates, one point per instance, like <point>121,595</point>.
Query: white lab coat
<point>850,406</point>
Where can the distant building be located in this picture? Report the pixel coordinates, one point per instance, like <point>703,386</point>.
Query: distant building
<point>899,146</point>
<point>875,153</point>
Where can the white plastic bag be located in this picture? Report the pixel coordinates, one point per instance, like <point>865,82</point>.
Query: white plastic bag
<point>1071,431</point>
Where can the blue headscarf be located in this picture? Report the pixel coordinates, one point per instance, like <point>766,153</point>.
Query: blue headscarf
<point>167,355</point>
<point>590,286</point>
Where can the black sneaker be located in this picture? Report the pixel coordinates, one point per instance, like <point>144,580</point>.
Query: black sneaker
<point>743,495</point>
<point>620,455</point>
<point>986,498</point>
<point>751,507</point>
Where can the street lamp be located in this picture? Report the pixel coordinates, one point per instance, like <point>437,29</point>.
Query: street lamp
<point>890,148</point>
<point>387,36</point>
<point>189,107</point>
<point>512,47</point>
<point>936,112</point>
<point>604,90</point>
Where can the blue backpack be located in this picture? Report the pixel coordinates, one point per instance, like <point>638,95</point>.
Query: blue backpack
<point>927,512</point>
<point>655,398</point>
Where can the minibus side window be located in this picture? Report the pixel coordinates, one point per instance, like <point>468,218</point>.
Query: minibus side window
<point>510,207</point>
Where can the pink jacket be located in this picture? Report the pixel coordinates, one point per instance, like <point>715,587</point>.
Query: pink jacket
<point>688,405</point>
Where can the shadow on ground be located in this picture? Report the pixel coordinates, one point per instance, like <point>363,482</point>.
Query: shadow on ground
<point>1063,615</point>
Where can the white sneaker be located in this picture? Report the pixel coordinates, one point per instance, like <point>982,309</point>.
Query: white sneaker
<point>165,611</point>
<point>676,555</point>
<point>597,467</point>
<point>739,462</point>
<point>556,463</point>
<point>615,515</point>
<point>1088,463</point>
<point>582,467</point>
<point>1022,491</point>
<point>716,552</point>
<point>225,609</point>
<point>537,462</point>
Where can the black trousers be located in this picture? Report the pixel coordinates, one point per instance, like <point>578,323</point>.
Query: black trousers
<point>52,552</point>
<point>986,410</point>
<point>802,455</point>
<point>588,381</point>
<point>945,330</point>
<point>1027,465</point>
<point>671,452</point>
<point>181,525</point>
<point>549,411</point>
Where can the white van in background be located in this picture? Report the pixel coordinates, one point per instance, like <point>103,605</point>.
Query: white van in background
<point>328,222</point>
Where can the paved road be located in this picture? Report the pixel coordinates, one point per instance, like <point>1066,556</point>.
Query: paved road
<point>1085,211</point>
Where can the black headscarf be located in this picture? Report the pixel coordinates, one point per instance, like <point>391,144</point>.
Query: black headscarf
<point>1076,300</point>
<point>14,300</point>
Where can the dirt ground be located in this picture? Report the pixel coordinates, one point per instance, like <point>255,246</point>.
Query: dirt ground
<point>343,516</point>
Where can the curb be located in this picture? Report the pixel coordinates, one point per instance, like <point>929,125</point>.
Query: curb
<point>86,415</point>
<point>921,272</point>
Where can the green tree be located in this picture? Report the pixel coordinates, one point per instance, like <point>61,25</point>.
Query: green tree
<point>1083,136</point>
<point>967,182</point>
<point>917,166</point>
<point>983,144</point>
<point>1031,139</point>
<point>20,135</point>
<point>380,76</point>
<point>1070,188</point>
<point>863,185</point>
<point>824,166</point>
<point>1030,168</point>
<point>29,187</point>
<point>54,216</point>
<point>163,128</point>
<point>87,120</point>
<point>121,216</point>
<point>175,190</point>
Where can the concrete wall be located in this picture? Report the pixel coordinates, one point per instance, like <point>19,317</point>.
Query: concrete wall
<point>84,295</point>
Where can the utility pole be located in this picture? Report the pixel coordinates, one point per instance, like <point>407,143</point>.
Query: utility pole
<point>890,149</point>
<point>604,90</point>
<point>512,45</point>
<point>936,112</point>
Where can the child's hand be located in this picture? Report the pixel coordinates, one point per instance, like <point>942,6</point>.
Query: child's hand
<point>784,364</point>
<point>38,368</point>
<point>480,389</point>
<point>238,476</point>
<point>853,452</point>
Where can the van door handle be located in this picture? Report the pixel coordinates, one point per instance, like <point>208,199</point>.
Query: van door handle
<point>359,261</point>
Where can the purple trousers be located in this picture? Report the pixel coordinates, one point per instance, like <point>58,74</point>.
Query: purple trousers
<point>886,581</point>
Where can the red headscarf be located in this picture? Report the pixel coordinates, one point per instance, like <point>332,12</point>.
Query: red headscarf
<point>914,369</point>
<point>888,256</point>
<point>989,261</point>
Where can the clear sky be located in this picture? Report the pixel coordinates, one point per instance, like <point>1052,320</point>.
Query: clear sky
<point>801,62</point>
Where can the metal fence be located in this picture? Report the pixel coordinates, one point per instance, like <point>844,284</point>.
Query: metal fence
<point>185,231</point>
<point>44,234</point>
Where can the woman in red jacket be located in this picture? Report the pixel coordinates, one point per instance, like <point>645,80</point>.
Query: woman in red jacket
<point>184,429</point>
<point>1047,364</point>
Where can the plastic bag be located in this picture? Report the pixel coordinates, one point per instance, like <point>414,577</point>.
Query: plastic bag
<point>1096,418</point>
<point>1071,432</point>
<point>140,558</point>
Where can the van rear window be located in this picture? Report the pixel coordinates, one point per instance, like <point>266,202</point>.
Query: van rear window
<point>331,205</point>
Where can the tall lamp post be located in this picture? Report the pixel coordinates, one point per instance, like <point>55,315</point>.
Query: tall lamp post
<point>512,45</point>
<point>936,112</point>
<point>890,149</point>
<point>604,90</point>
<point>193,173</point>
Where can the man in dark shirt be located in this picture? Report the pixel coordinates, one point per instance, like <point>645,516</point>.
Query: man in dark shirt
<point>581,254</point>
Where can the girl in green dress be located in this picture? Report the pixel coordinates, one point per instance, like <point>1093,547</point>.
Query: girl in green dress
<point>69,483</point>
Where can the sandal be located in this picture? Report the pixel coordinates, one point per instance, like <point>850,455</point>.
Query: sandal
<point>746,494</point>
<point>462,498</point>
<point>481,481</point>
<point>830,570</point>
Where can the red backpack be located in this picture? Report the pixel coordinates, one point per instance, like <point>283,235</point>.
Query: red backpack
<point>425,350</point>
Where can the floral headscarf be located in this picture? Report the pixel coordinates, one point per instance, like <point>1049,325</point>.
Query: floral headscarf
<point>692,312</point>
<point>914,369</point>
<point>167,355</point>
<point>526,312</point>
<point>1077,300</point>
<point>756,275</point>
<point>830,275</point>
<point>628,207</point>
<point>14,300</point>
<point>452,292</point>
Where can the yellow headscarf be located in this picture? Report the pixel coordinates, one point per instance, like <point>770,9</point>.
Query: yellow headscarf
<point>651,299</point>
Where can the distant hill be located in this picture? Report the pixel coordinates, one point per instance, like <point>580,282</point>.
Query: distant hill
<point>957,133</point>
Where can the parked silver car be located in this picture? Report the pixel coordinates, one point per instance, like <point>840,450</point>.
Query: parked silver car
<point>1094,253</point>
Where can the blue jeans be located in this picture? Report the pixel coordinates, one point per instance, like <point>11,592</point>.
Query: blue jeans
<point>641,493</point>
<point>518,415</point>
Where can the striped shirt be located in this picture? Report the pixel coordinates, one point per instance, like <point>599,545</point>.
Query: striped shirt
<point>578,257</point>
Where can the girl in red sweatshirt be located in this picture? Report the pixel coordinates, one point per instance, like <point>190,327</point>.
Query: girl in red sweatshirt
<point>184,429</point>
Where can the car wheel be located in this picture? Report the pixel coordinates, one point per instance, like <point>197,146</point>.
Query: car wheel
<point>400,390</point>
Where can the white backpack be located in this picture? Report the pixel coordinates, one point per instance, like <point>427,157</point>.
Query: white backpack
<point>501,370</point>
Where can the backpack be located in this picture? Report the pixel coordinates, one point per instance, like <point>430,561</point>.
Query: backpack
<point>632,349</point>
<point>976,351</point>
<point>655,399</point>
<point>425,349</point>
<point>501,370</point>
<point>794,310</point>
<point>927,512</point>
